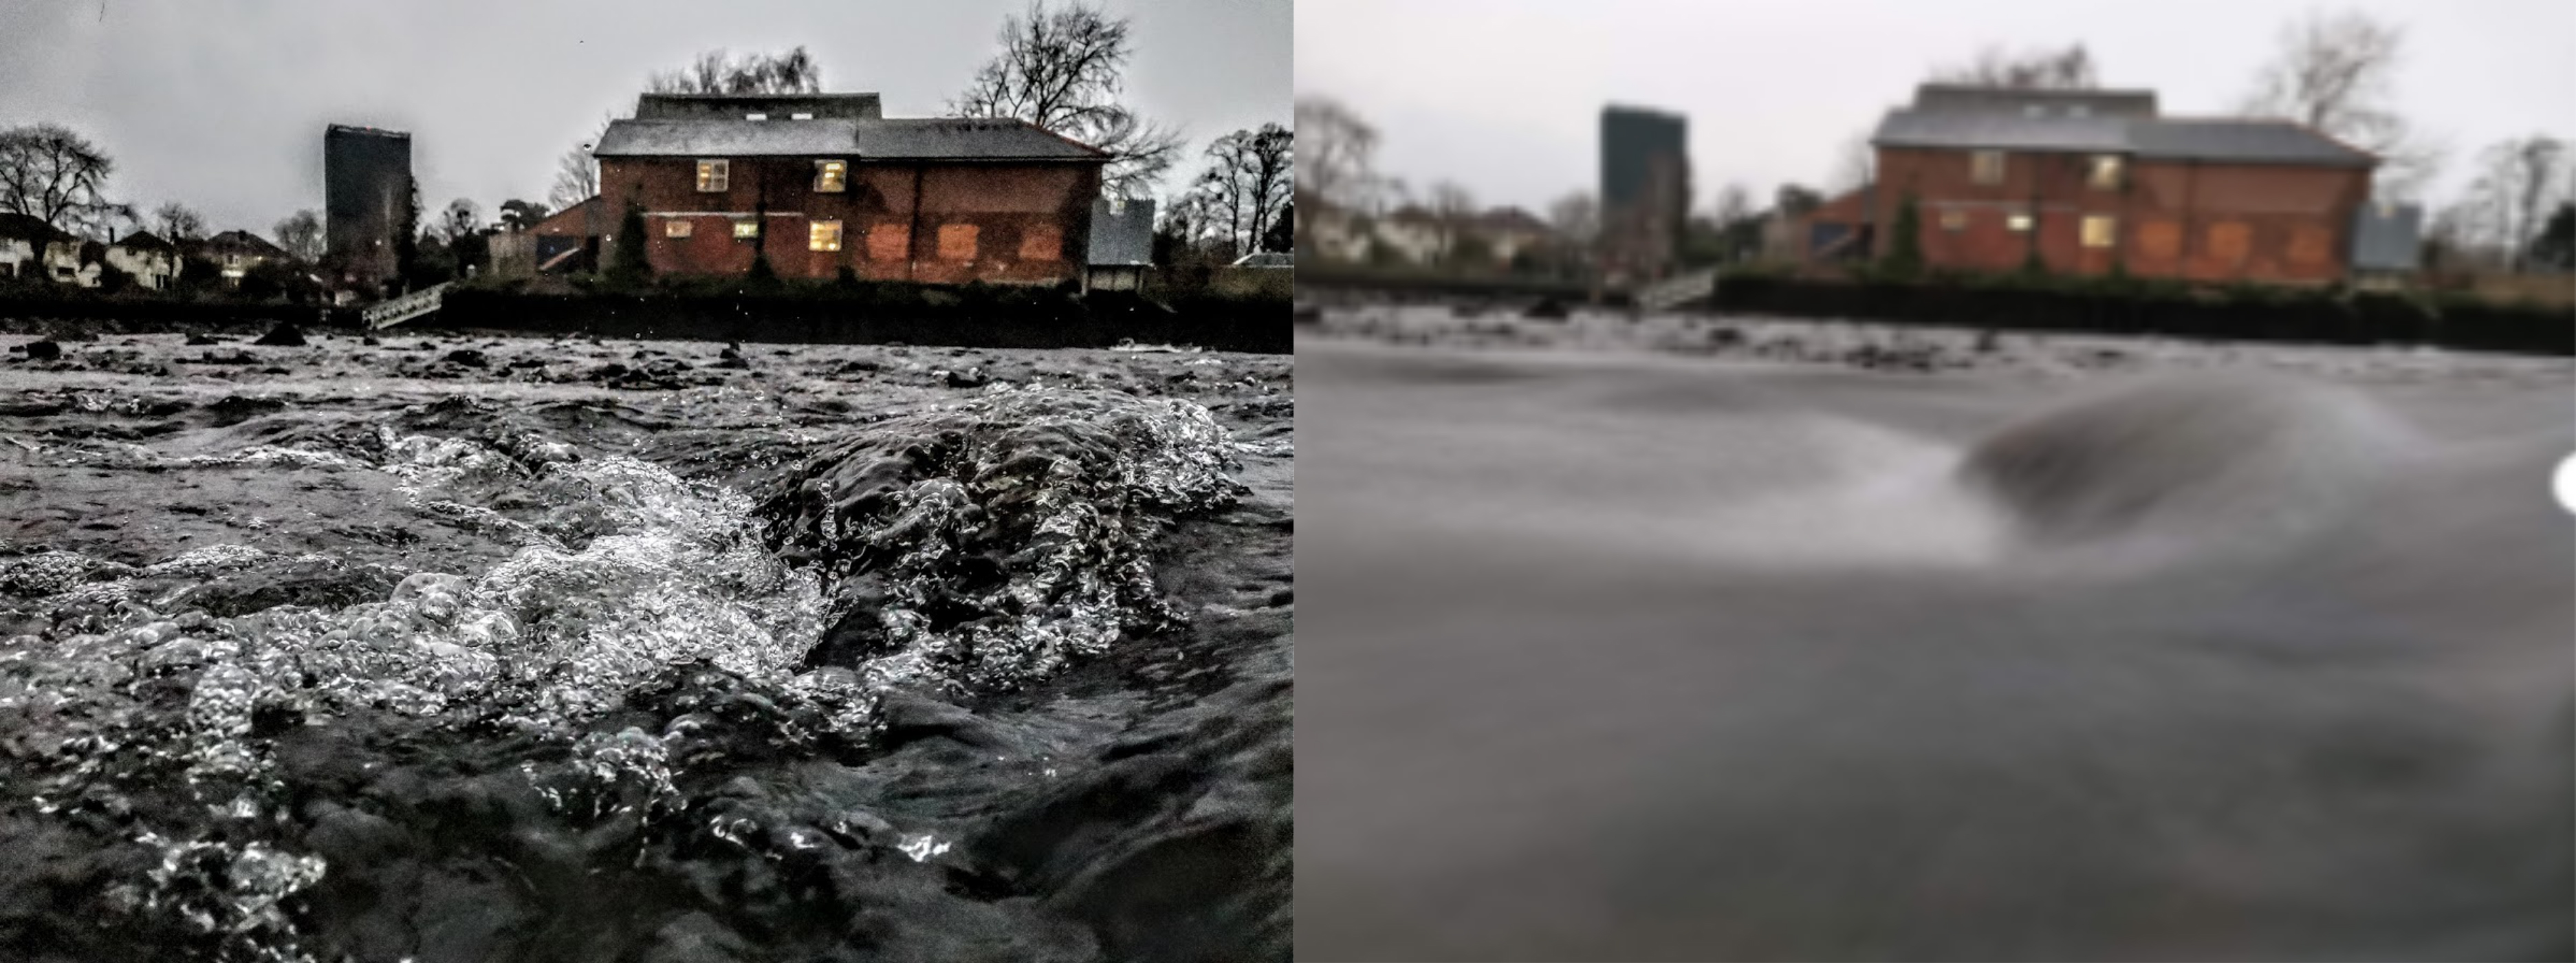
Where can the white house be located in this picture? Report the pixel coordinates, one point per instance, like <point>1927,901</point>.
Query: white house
<point>153,262</point>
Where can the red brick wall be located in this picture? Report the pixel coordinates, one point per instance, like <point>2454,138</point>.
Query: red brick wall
<point>1027,221</point>
<point>2203,222</point>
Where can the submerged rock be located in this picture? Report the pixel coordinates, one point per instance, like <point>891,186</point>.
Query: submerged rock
<point>284,335</point>
<point>43,351</point>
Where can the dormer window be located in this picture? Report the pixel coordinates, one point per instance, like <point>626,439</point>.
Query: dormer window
<point>2078,110</point>
<point>1986,167</point>
<point>2033,110</point>
<point>831,176</point>
<point>2103,172</point>
<point>755,116</point>
<point>800,115</point>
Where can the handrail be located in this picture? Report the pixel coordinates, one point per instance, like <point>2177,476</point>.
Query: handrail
<point>406,307</point>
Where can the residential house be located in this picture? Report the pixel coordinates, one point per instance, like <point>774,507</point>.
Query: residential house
<point>1332,233</point>
<point>1416,234</point>
<point>819,183</point>
<point>234,253</point>
<point>152,261</point>
<point>2085,180</point>
<point>31,247</point>
<point>1511,232</point>
<point>1121,248</point>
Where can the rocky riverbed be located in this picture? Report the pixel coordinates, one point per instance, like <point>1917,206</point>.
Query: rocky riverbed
<point>448,647</point>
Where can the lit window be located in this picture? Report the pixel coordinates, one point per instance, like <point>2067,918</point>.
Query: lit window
<point>823,236</point>
<point>2018,223</point>
<point>957,242</point>
<point>712,174</point>
<point>1986,167</point>
<point>1954,220</point>
<point>746,228</point>
<point>755,116</point>
<point>2099,229</point>
<point>831,176</point>
<point>2104,172</point>
<point>800,115</point>
<point>675,227</point>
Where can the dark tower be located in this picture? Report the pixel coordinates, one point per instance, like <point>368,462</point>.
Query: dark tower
<point>1645,189</point>
<point>366,176</point>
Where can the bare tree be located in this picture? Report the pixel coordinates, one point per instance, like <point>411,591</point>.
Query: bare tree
<point>577,173</point>
<point>50,173</point>
<point>1855,164</point>
<point>1576,218</point>
<point>1247,182</point>
<point>1453,212</point>
<point>175,222</point>
<point>2333,73</point>
<point>301,235</point>
<point>2044,69</point>
<point>1734,203</point>
<point>793,72</point>
<point>2518,182</point>
<point>1335,169</point>
<point>1062,69</point>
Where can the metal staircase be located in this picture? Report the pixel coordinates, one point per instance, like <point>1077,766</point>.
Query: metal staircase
<point>1674,292</point>
<point>405,308</point>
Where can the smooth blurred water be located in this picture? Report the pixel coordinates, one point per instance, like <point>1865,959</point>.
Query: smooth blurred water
<point>1646,660</point>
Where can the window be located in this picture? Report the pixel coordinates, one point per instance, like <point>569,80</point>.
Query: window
<point>1041,242</point>
<point>823,236</point>
<point>2100,229</point>
<point>746,229</point>
<point>2230,241</point>
<point>2078,110</point>
<point>755,116</point>
<point>712,174</point>
<point>2019,223</point>
<point>1986,167</point>
<point>2161,240</point>
<point>957,242</point>
<point>2103,172</point>
<point>831,176</point>
<point>2309,244</point>
<point>1954,220</point>
<point>800,115</point>
<point>889,242</point>
<point>676,227</point>
<point>2033,110</point>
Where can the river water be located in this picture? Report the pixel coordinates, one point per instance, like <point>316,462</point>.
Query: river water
<point>1628,656</point>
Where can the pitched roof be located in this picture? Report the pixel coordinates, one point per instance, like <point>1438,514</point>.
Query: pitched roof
<point>1512,219</point>
<point>30,227</point>
<point>777,106</point>
<point>243,241</point>
<point>2250,141</point>
<point>940,138</point>
<point>581,218</point>
<point>1974,98</point>
<point>144,241</point>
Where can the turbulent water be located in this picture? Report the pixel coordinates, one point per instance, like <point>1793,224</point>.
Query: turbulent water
<point>506,649</point>
<point>1631,657</point>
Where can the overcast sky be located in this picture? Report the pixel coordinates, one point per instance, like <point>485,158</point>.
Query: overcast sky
<point>1504,96</point>
<point>221,104</point>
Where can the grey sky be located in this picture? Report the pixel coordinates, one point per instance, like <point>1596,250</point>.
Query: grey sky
<point>1503,96</point>
<point>221,104</point>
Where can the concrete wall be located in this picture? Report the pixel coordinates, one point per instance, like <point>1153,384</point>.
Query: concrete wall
<point>941,222</point>
<point>2201,222</point>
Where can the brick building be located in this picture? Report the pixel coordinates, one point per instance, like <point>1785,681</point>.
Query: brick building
<point>2089,179</point>
<point>819,182</point>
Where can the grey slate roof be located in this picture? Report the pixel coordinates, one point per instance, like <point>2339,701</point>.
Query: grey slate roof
<point>1126,237</point>
<point>2247,141</point>
<point>1966,98</point>
<point>941,138</point>
<point>777,106</point>
<point>2387,237</point>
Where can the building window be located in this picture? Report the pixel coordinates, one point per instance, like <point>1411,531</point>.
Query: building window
<point>755,116</point>
<point>2078,110</point>
<point>823,236</point>
<point>1954,220</point>
<point>746,228</point>
<point>2099,229</point>
<point>2019,223</point>
<point>889,242</point>
<point>831,176</point>
<point>957,242</point>
<point>676,227</point>
<point>800,115</point>
<point>1986,167</point>
<point>712,174</point>
<point>2309,244</point>
<point>2103,172</point>
<point>1041,242</point>
<point>2230,242</point>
